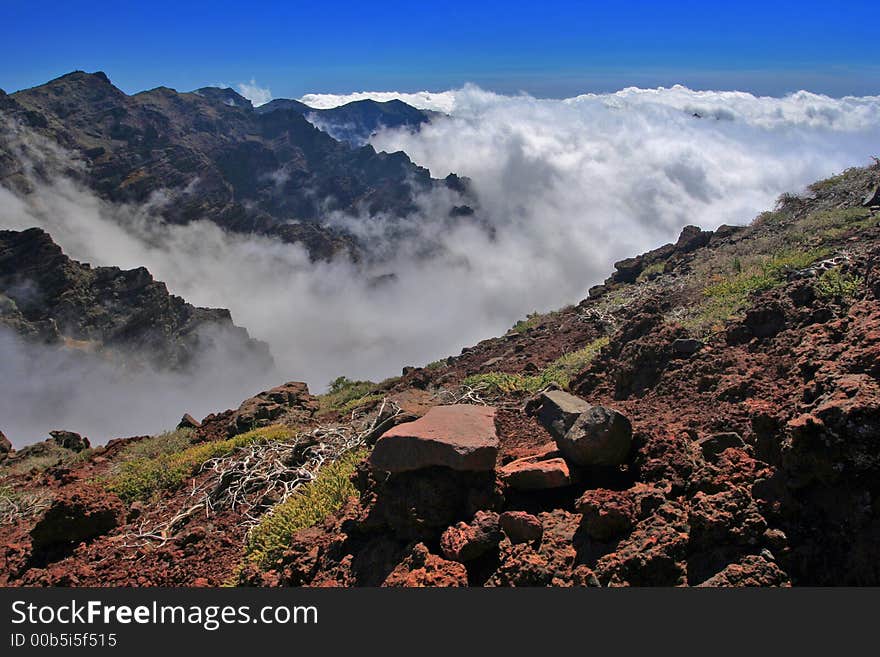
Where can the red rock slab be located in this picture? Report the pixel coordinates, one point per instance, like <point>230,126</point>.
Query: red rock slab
<point>534,474</point>
<point>461,437</point>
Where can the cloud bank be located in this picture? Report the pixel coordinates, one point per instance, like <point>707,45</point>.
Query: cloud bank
<point>571,185</point>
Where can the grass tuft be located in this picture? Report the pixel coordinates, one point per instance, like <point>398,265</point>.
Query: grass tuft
<point>142,477</point>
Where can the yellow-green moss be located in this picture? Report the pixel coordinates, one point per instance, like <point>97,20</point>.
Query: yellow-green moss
<point>310,505</point>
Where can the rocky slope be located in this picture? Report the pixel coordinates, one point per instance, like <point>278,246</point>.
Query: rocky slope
<point>214,157</point>
<point>709,416</point>
<point>123,315</point>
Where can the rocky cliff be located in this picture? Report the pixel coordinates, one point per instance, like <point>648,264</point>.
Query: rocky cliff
<point>123,314</point>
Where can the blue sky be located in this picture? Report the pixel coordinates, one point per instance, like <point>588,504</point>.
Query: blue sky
<point>552,49</point>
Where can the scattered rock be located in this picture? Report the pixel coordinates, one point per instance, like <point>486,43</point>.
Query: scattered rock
<point>752,570</point>
<point>421,568</point>
<point>75,516</point>
<point>599,436</point>
<point>521,527</point>
<point>188,422</point>
<point>461,437</point>
<point>468,541</point>
<point>607,513</point>
<point>290,401</point>
<point>713,445</point>
<point>557,411</point>
<point>686,346</point>
<point>692,238</point>
<point>652,555</point>
<point>765,321</point>
<point>872,197</point>
<point>70,440</point>
<point>5,446</point>
<point>536,473</point>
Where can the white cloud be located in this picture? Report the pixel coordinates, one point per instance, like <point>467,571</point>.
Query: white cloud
<point>254,93</point>
<point>572,186</point>
<point>443,101</point>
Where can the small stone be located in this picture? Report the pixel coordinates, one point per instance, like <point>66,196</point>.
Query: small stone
<point>600,436</point>
<point>686,346</point>
<point>558,410</point>
<point>713,445</point>
<point>521,527</point>
<point>532,473</point>
<point>468,541</point>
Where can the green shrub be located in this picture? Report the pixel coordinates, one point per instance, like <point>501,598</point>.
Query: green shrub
<point>833,284</point>
<point>559,372</point>
<point>153,447</point>
<point>143,477</point>
<point>344,395</point>
<point>530,322</point>
<point>310,505</point>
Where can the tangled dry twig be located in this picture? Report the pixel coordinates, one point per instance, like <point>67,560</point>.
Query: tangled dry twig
<point>258,476</point>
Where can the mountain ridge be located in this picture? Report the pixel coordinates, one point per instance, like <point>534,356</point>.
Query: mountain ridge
<point>272,173</point>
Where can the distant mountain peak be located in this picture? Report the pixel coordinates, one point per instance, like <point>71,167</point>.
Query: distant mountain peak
<point>225,95</point>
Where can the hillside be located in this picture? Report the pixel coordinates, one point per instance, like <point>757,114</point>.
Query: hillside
<point>709,416</point>
<point>214,157</point>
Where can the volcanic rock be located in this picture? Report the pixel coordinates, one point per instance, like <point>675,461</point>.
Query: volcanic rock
<point>752,570</point>
<point>461,437</point>
<point>536,473</point>
<point>558,410</point>
<point>599,436</point>
<point>713,445</point>
<point>188,422</point>
<point>521,527</point>
<point>468,541</point>
<point>686,346</point>
<point>75,516</point>
<point>607,513</point>
<point>421,568</point>
<point>70,440</point>
<point>290,401</point>
<point>5,446</point>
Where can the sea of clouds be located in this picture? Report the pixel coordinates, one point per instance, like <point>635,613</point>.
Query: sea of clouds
<point>570,186</point>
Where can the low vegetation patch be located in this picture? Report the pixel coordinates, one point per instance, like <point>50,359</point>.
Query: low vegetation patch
<point>153,447</point>
<point>344,395</point>
<point>559,372</point>
<point>162,467</point>
<point>310,505</point>
<point>530,322</point>
<point>834,284</point>
<point>15,505</point>
<point>743,275</point>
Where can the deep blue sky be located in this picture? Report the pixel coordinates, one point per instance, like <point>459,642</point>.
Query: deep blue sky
<point>547,49</point>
